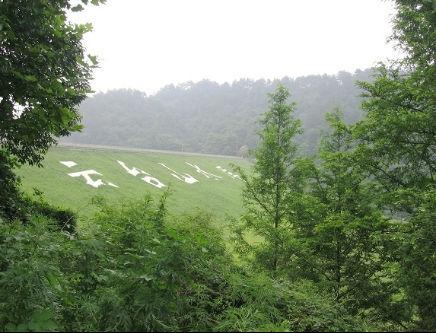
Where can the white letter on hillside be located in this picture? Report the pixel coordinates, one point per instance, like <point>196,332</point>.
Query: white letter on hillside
<point>233,175</point>
<point>69,164</point>
<point>204,173</point>
<point>133,171</point>
<point>153,181</point>
<point>85,174</point>
<point>187,178</point>
<point>148,178</point>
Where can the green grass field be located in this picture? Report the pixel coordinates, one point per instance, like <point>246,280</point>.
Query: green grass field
<point>219,197</point>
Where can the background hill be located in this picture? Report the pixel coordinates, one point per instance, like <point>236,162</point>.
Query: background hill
<point>208,117</point>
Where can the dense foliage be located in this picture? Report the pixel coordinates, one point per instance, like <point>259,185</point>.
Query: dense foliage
<point>342,238</point>
<point>318,220</point>
<point>396,145</point>
<point>208,117</point>
<point>134,269</point>
<point>363,228</point>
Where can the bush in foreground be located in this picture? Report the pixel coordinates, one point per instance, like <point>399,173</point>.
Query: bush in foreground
<point>134,269</point>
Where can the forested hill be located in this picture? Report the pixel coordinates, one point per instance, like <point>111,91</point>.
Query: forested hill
<point>208,117</point>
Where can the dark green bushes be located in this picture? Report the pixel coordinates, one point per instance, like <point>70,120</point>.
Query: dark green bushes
<point>10,196</point>
<point>133,269</point>
<point>32,283</point>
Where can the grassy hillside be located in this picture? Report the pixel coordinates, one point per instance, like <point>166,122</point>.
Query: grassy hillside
<point>219,196</point>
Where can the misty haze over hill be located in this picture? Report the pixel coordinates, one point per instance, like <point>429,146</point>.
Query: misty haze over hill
<point>208,117</point>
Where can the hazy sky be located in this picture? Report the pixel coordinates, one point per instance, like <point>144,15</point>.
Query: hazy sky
<point>146,44</point>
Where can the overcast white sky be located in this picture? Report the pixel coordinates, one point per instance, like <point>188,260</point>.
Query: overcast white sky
<point>146,44</point>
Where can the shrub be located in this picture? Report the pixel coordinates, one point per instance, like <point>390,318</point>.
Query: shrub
<point>132,268</point>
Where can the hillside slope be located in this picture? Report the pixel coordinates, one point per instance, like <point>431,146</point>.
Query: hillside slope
<point>194,180</point>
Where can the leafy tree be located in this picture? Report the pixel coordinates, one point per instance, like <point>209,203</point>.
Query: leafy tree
<point>267,192</point>
<point>44,75</point>
<point>340,239</point>
<point>397,147</point>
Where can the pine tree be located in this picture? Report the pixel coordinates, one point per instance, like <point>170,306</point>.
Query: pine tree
<point>268,190</point>
<point>397,147</point>
<point>341,238</point>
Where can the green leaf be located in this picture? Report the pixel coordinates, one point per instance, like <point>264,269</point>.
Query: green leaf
<point>76,128</point>
<point>54,282</point>
<point>30,78</point>
<point>42,321</point>
<point>77,8</point>
<point>145,277</point>
<point>93,59</point>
